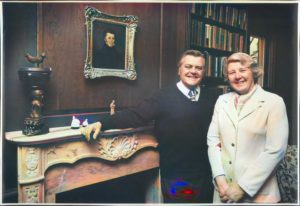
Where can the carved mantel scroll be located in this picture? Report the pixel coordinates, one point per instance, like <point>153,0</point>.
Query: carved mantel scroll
<point>118,147</point>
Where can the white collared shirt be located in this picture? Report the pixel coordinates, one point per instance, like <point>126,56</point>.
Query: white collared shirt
<point>186,90</point>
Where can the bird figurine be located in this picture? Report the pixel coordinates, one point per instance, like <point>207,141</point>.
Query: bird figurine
<point>36,59</point>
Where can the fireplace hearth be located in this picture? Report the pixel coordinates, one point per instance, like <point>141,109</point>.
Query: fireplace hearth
<point>126,189</point>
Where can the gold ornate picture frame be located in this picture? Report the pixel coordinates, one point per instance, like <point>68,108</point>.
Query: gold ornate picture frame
<point>110,45</point>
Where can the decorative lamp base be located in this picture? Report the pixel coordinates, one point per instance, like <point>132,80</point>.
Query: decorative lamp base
<point>34,126</point>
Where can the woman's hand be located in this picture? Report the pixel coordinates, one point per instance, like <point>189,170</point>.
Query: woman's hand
<point>234,193</point>
<point>222,187</point>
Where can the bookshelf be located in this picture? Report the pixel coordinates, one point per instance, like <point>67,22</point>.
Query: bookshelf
<point>218,30</point>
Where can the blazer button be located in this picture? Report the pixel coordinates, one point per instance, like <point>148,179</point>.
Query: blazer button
<point>232,144</point>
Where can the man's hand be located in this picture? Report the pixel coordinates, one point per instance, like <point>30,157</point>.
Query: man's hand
<point>222,186</point>
<point>234,193</point>
<point>95,127</point>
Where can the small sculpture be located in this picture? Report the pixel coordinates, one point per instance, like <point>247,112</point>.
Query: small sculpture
<point>85,123</point>
<point>112,107</point>
<point>75,124</point>
<point>35,59</point>
<point>37,104</point>
<point>35,78</point>
<point>34,124</point>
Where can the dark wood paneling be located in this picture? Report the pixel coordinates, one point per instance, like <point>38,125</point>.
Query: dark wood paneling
<point>64,40</point>
<point>174,40</point>
<point>19,36</point>
<point>278,24</point>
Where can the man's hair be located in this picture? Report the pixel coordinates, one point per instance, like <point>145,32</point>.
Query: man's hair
<point>190,52</point>
<point>246,61</point>
<point>108,31</point>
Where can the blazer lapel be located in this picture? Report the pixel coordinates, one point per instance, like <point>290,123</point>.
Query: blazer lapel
<point>230,110</point>
<point>253,103</point>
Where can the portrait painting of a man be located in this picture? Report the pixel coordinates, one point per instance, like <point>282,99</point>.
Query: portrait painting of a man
<point>108,46</point>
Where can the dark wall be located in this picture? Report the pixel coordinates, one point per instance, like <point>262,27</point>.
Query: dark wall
<point>19,38</point>
<point>64,39</point>
<point>19,33</point>
<point>278,24</point>
<point>174,39</point>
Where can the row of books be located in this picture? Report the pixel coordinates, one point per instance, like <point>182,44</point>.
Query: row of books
<point>214,66</point>
<point>222,13</point>
<point>211,36</point>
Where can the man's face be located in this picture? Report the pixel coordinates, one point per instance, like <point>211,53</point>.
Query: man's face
<point>191,70</point>
<point>109,39</point>
<point>240,77</point>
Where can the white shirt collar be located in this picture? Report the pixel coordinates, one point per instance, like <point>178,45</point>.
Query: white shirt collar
<point>186,90</point>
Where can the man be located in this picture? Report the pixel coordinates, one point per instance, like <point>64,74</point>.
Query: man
<point>181,115</point>
<point>108,56</point>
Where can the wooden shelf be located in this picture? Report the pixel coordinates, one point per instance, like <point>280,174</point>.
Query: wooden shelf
<point>219,24</point>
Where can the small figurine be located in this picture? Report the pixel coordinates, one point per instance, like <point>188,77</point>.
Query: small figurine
<point>37,104</point>
<point>85,123</point>
<point>75,124</point>
<point>112,107</point>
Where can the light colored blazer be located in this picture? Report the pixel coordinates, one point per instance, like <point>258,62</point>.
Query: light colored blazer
<point>247,148</point>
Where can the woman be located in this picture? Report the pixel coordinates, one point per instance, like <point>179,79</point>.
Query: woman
<point>247,136</point>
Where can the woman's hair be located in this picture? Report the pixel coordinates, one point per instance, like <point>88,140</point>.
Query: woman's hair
<point>194,53</point>
<point>246,61</point>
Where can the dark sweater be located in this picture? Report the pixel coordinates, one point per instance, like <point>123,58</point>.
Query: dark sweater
<point>180,126</point>
<point>108,57</point>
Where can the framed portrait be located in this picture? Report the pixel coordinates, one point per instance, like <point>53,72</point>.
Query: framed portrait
<point>110,45</point>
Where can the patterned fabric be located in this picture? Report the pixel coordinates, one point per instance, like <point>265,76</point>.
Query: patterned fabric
<point>287,175</point>
<point>192,94</point>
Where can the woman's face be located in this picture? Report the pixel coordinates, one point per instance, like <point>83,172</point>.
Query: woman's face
<point>240,78</point>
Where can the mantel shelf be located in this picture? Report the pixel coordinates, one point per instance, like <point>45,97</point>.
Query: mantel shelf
<point>58,134</point>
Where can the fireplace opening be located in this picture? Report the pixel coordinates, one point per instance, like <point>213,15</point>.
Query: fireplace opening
<point>127,189</point>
